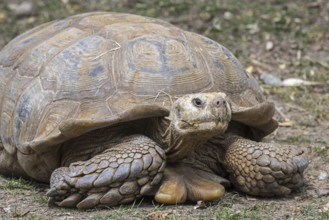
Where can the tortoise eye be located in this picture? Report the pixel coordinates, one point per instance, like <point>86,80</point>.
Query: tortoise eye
<point>197,102</point>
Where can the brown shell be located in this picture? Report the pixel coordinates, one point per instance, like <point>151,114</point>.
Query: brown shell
<point>67,77</point>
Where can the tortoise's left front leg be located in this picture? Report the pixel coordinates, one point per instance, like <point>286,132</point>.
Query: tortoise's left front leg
<point>264,169</point>
<point>118,175</point>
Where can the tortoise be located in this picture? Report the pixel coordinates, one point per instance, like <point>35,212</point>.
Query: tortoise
<point>110,107</point>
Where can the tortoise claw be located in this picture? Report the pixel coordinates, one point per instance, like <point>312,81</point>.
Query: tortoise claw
<point>71,201</point>
<point>91,201</point>
<point>51,193</point>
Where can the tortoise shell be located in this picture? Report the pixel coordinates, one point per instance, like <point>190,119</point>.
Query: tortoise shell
<point>68,77</point>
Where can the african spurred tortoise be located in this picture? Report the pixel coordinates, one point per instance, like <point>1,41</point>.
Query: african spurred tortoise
<point>109,107</point>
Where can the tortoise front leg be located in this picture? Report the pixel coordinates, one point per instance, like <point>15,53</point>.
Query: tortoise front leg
<point>264,169</point>
<point>118,175</point>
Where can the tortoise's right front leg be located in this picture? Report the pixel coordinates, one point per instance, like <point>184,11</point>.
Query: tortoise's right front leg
<point>118,175</point>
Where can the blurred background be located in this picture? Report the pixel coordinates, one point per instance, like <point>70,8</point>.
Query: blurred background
<point>284,44</point>
<point>283,37</point>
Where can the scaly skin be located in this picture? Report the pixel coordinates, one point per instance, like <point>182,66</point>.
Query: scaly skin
<point>256,168</point>
<point>116,176</point>
<point>264,169</point>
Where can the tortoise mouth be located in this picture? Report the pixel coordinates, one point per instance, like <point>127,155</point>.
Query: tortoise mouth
<point>185,124</point>
<point>206,128</point>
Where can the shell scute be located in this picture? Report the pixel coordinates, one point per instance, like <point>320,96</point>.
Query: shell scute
<point>68,77</point>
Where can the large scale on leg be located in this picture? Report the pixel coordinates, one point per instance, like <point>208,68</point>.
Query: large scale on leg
<point>109,107</point>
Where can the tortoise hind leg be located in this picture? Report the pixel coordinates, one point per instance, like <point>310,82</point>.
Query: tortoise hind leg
<point>264,169</point>
<point>9,165</point>
<point>118,175</point>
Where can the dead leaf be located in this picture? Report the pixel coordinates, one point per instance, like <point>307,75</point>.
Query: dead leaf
<point>205,16</point>
<point>260,64</point>
<point>7,209</point>
<point>325,208</point>
<point>17,212</point>
<point>159,215</point>
<point>282,66</point>
<point>322,63</point>
<point>299,54</point>
<point>253,28</point>
<point>250,69</point>
<point>200,205</point>
<point>216,24</point>
<point>299,82</point>
<point>251,198</point>
<point>315,4</point>
<point>286,123</point>
<point>2,16</point>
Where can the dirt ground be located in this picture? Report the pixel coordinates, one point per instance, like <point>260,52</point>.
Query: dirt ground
<point>287,40</point>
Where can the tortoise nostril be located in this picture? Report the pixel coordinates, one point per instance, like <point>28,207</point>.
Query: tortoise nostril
<point>218,103</point>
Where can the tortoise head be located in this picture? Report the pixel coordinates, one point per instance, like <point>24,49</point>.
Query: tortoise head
<point>201,114</point>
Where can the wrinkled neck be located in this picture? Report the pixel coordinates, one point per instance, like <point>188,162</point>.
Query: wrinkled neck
<point>175,145</point>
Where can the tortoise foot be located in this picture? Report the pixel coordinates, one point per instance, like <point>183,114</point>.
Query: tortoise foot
<point>118,175</point>
<point>183,183</point>
<point>264,169</point>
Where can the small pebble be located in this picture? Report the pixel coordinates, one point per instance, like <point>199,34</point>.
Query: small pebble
<point>270,79</point>
<point>323,175</point>
<point>228,15</point>
<point>22,9</point>
<point>269,45</point>
<point>322,192</point>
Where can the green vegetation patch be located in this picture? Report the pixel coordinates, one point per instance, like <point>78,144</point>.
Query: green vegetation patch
<point>19,183</point>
